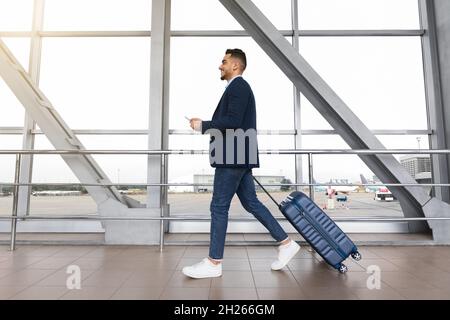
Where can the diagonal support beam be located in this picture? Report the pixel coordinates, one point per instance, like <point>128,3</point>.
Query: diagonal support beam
<point>333,109</point>
<point>60,135</point>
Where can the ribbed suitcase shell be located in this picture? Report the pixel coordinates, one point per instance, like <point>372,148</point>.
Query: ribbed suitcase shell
<point>327,239</point>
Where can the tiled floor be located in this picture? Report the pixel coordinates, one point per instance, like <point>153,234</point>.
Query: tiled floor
<point>142,272</point>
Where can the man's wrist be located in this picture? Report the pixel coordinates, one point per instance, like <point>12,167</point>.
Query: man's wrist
<point>198,126</point>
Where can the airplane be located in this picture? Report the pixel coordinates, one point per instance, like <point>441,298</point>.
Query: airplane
<point>369,188</point>
<point>56,193</point>
<point>337,189</point>
<point>132,191</point>
<point>380,192</point>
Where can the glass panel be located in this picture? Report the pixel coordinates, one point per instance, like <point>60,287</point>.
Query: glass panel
<point>358,14</point>
<point>50,199</point>
<point>82,15</point>
<point>195,86</point>
<point>196,169</point>
<point>380,79</point>
<point>7,162</point>
<point>329,169</point>
<point>100,83</point>
<point>211,15</point>
<point>13,111</point>
<point>20,48</point>
<point>16,15</point>
<point>7,170</point>
<point>118,168</point>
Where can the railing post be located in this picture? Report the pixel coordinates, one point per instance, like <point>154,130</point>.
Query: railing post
<point>163,202</point>
<point>15,203</point>
<point>311,177</point>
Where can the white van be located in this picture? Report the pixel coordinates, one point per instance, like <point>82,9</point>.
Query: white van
<point>383,194</point>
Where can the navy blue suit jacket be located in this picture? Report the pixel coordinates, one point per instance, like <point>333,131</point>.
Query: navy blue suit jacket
<point>236,110</point>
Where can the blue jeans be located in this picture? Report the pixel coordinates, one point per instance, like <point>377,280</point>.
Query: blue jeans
<point>227,182</point>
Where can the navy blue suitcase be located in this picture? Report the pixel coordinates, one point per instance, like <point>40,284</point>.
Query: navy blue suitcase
<point>318,229</point>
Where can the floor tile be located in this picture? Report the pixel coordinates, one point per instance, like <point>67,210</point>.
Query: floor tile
<point>40,293</point>
<point>52,263</point>
<point>25,277</point>
<point>261,252</point>
<point>185,294</point>
<point>7,292</point>
<point>404,280</point>
<point>60,278</point>
<point>144,272</point>
<point>439,280</point>
<point>236,264</point>
<point>106,278</point>
<point>428,294</point>
<point>90,293</point>
<point>272,279</point>
<point>179,280</point>
<point>150,278</point>
<point>329,293</point>
<point>130,293</point>
<point>236,279</point>
<point>384,293</point>
<point>220,293</point>
<point>329,279</point>
<point>281,293</point>
<point>383,264</point>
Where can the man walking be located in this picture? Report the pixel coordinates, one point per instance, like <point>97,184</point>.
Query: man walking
<point>233,154</point>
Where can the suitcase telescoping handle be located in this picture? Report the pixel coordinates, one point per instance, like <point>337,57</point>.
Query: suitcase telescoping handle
<point>278,205</point>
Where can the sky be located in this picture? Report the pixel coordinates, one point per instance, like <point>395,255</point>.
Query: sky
<point>103,83</point>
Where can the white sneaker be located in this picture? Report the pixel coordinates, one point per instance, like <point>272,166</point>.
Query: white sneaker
<point>203,269</point>
<point>285,254</point>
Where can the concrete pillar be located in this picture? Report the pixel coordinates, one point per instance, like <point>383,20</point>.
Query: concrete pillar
<point>159,102</point>
<point>442,23</point>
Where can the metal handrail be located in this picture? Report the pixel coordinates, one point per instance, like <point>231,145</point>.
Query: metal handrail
<point>181,184</point>
<point>164,153</point>
<point>205,218</point>
<point>271,151</point>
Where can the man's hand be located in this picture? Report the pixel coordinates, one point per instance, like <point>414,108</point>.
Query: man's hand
<point>196,124</point>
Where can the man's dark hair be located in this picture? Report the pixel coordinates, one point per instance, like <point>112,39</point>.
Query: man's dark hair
<point>239,54</point>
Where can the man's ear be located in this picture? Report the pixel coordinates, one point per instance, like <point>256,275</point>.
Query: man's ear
<point>235,65</point>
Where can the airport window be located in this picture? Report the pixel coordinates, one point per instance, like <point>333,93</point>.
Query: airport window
<point>16,15</point>
<point>196,86</point>
<point>7,162</point>
<point>358,14</point>
<point>119,168</point>
<point>12,110</point>
<point>212,15</point>
<point>98,83</point>
<point>20,48</point>
<point>183,167</point>
<point>369,74</point>
<point>103,83</point>
<point>99,15</point>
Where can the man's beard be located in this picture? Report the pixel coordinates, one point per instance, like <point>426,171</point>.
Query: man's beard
<point>222,77</point>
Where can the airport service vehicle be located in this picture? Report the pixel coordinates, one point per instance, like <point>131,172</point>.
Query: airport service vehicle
<point>383,194</point>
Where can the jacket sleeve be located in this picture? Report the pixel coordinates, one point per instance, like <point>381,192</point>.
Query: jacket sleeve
<point>238,98</point>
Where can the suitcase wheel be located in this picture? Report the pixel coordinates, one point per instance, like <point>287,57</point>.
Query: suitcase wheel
<point>356,255</point>
<point>343,268</point>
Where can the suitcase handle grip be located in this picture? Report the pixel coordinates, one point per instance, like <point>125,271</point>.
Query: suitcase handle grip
<point>278,205</point>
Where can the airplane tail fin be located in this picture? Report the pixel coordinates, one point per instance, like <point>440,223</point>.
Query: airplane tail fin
<point>363,179</point>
